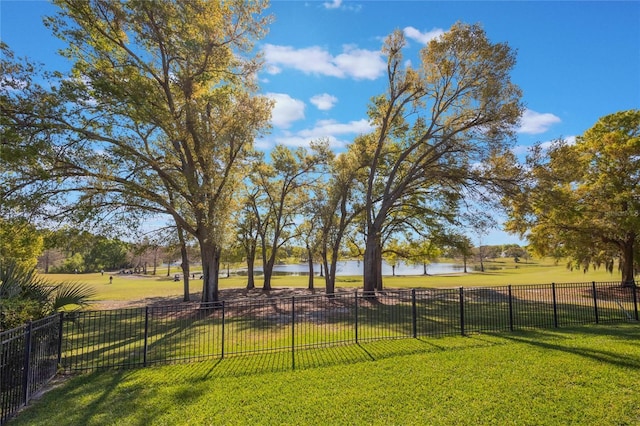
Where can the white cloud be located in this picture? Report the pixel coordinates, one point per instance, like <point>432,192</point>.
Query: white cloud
<point>325,128</point>
<point>422,37</point>
<point>330,130</point>
<point>360,63</point>
<point>324,101</point>
<point>337,4</point>
<point>334,4</point>
<point>520,149</point>
<point>533,122</point>
<point>286,110</point>
<point>353,62</point>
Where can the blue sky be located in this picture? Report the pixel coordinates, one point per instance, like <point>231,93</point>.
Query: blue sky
<point>577,60</point>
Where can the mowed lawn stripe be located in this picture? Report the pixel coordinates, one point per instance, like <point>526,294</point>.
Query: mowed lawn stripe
<point>583,375</point>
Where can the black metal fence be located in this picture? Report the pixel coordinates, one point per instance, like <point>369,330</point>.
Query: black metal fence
<point>29,358</point>
<point>166,334</point>
<point>136,337</point>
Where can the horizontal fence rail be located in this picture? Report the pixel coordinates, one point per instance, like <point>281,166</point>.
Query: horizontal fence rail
<point>87,340</point>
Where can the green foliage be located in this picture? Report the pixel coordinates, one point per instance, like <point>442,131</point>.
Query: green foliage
<point>20,242</point>
<point>24,296</point>
<point>72,264</point>
<point>583,200</point>
<point>109,254</point>
<point>158,115</point>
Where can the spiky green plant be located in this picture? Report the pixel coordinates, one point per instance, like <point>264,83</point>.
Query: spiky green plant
<point>24,296</point>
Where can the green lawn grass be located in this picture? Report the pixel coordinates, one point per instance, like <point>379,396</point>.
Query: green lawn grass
<point>499,272</point>
<point>582,375</point>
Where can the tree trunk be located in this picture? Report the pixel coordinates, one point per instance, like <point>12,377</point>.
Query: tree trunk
<point>626,264</point>
<point>185,265</point>
<point>371,269</point>
<point>46,262</point>
<point>185,273</point>
<point>424,267</point>
<point>310,257</point>
<point>378,264</point>
<point>268,272</point>
<point>251,259</point>
<point>210,254</point>
<point>329,276</point>
<point>155,261</point>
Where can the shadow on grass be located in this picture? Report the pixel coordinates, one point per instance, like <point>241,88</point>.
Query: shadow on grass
<point>562,340</point>
<point>117,393</point>
<point>311,358</point>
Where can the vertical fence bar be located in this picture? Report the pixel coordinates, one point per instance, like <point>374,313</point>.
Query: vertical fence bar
<point>60,336</point>
<point>510,308</point>
<point>462,311</point>
<point>293,332</point>
<point>222,333</point>
<point>555,305</point>
<point>414,313</point>
<point>26,364</point>
<point>635,300</point>
<point>146,336</point>
<point>356,313</point>
<point>595,301</point>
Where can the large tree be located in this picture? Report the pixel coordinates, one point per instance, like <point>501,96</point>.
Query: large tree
<point>337,208</point>
<point>457,108</point>
<point>159,114</point>
<point>582,199</point>
<point>284,187</point>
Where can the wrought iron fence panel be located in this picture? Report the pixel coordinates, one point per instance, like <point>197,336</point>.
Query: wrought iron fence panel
<point>28,361</point>
<point>261,325</point>
<point>438,312</point>
<point>324,321</point>
<point>385,315</point>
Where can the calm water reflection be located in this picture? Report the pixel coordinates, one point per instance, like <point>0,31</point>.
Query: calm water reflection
<point>354,267</point>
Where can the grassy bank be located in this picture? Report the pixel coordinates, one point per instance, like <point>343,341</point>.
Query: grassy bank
<point>586,375</point>
<point>502,272</point>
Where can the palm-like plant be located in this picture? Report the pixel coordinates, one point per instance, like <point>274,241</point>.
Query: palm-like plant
<point>24,296</point>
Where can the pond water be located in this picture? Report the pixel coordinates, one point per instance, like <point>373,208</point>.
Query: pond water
<point>355,267</point>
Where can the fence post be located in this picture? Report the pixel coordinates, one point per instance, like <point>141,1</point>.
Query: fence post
<point>60,336</point>
<point>635,300</point>
<point>27,363</point>
<point>555,305</point>
<point>595,301</point>
<point>223,326</point>
<point>356,313</point>
<point>146,335</point>
<point>414,313</point>
<point>293,332</point>
<point>510,308</point>
<point>462,310</point>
